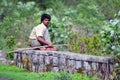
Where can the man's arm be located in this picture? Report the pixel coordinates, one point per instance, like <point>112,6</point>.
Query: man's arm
<point>44,42</point>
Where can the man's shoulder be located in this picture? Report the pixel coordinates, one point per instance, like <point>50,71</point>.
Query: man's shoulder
<point>40,26</point>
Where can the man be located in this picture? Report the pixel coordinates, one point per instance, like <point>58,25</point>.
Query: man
<point>40,35</point>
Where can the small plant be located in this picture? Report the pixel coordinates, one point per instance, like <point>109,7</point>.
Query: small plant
<point>10,40</point>
<point>63,76</point>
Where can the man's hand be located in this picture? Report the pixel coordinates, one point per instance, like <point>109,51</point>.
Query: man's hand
<point>50,45</point>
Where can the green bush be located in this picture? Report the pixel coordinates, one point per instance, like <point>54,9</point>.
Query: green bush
<point>89,17</point>
<point>111,36</point>
<point>89,45</point>
<point>111,39</point>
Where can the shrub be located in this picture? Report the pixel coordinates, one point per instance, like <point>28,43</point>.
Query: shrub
<point>111,39</point>
<point>89,45</point>
<point>111,36</point>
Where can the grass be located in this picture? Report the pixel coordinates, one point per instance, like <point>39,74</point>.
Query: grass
<point>15,73</point>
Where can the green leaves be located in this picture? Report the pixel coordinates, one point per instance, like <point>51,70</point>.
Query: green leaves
<point>111,36</point>
<point>89,45</point>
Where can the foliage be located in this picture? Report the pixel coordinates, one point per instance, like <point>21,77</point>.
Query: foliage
<point>16,73</point>
<point>89,45</point>
<point>13,27</point>
<point>111,40</point>
<point>59,31</point>
<point>89,17</point>
<point>111,36</point>
<point>109,8</point>
<point>6,7</point>
<point>63,76</point>
<point>6,37</point>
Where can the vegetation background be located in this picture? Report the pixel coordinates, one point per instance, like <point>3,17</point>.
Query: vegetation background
<point>87,26</point>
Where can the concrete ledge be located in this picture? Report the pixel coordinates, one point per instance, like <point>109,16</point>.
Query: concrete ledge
<point>41,61</point>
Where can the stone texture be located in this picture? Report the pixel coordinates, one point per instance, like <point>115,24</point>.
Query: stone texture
<point>41,61</point>
<point>3,57</point>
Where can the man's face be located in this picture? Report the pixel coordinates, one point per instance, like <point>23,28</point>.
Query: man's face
<point>46,21</point>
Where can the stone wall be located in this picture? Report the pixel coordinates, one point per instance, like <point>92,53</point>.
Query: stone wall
<point>3,57</point>
<point>41,61</point>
